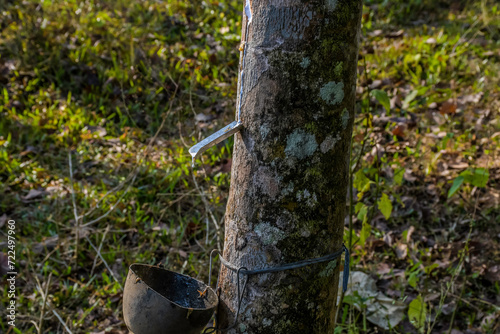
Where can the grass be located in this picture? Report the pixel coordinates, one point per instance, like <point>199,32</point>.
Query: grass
<point>116,87</point>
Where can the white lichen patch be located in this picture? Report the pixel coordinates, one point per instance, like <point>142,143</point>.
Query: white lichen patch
<point>332,93</point>
<point>305,62</point>
<point>305,233</point>
<point>307,197</point>
<point>269,235</point>
<point>345,118</point>
<point>249,312</point>
<point>264,181</point>
<point>287,190</point>
<point>264,131</point>
<point>266,322</point>
<point>328,143</point>
<point>331,4</point>
<point>300,144</point>
<point>329,270</point>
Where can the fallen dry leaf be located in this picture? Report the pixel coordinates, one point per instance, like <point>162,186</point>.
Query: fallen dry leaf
<point>381,310</point>
<point>179,251</point>
<point>493,274</point>
<point>383,268</point>
<point>375,84</point>
<point>388,239</point>
<point>449,308</point>
<point>34,193</point>
<point>408,176</point>
<point>96,130</point>
<point>395,34</point>
<point>459,165</point>
<point>396,102</point>
<point>161,226</point>
<point>410,232</point>
<point>375,33</point>
<point>29,149</point>
<point>448,108</point>
<point>378,151</point>
<point>433,105</point>
<point>401,251</point>
<point>431,297</point>
<point>472,98</point>
<point>431,40</point>
<point>201,117</point>
<point>46,244</point>
<point>399,131</point>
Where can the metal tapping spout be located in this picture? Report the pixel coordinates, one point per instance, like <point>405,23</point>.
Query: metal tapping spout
<point>214,139</point>
<point>235,126</point>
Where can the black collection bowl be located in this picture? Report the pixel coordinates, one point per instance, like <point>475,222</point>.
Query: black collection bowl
<point>160,301</point>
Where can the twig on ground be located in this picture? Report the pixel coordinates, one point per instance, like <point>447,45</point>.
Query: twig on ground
<point>125,104</point>
<point>105,263</point>
<point>178,194</point>
<point>182,195</point>
<point>180,135</point>
<point>465,301</point>
<point>44,302</point>
<point>50,253</point>
<point>75,212</point>
<point>114,205</point>
<point>191,97</point>
<point>111,191</point>
<point>462,38</point>
<point>62,322</point>
<point>99,250</point>
<point>208,229</point>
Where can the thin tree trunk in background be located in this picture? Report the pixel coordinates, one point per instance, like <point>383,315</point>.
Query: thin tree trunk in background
<point>290,164</point>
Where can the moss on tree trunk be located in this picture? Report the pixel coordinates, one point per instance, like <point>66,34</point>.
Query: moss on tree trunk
<point>290,164</point>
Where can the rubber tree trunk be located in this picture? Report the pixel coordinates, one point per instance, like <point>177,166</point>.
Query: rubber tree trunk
<point>290,164</point>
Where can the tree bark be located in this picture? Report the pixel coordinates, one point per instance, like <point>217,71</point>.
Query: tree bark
<point>290,164</point>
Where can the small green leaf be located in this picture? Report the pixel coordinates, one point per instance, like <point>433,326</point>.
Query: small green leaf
<point>358,207</point>
<point>456,185</point>
<point>429,269</point>
<point>365,233</point>
<point>477,177</point>
<point>410,97</point>
<point>385,206</point>
<point>417,313</point>
<point>362,213</point>
<point>5,96</point>
<point>412,280</point>
<point>382,98</point>
<point>398,176</point>
<point>361,183</point>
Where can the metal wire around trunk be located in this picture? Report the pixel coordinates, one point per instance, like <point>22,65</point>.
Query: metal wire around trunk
<point>245,271</point>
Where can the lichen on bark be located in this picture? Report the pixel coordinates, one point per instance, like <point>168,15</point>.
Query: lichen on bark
<point>290,164</point>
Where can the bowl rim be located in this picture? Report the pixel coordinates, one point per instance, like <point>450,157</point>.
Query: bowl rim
<point>175,273</point>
